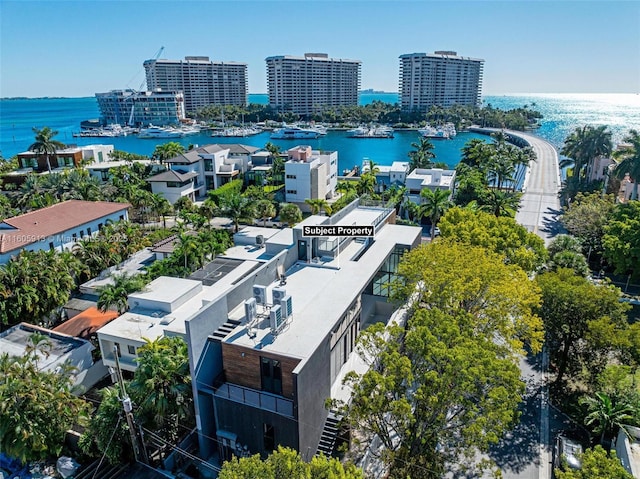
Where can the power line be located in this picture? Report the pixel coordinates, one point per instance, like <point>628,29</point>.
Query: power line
<point>115,429</point>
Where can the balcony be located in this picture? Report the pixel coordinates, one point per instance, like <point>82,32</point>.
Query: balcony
<point>259,399</point>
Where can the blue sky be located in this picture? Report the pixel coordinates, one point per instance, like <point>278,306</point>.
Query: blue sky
<point>69,48</point>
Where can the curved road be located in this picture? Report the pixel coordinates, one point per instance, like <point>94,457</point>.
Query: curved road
<point>525,453</point>
<point>540,205</point>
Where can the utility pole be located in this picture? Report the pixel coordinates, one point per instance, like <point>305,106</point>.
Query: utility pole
<point>139,452</point>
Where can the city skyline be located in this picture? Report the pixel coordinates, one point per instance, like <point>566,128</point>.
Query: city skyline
<point>75,49</point>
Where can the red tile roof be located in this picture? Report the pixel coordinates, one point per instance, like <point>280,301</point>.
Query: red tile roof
<point>86,323</point>
<point>39,224</point>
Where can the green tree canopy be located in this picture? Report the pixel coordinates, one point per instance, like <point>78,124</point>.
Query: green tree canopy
<point>499,234</point>
<point>36,408</point>
<point>447,384</point>
<point>161,385</point>
<point>621,240</point>
<point>571,306</point>
<point>286,463</point>
<point>596,463</point>
<point>586,218</point>
<point>290,213</point>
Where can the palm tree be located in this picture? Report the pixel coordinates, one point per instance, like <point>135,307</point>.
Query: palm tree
<point>236,207</point>
<point>582,147</point>
<point>422,156</point>
<point>45,144</point>
<point>166,151</point>
<point>162,384</point>
<point>290,214</point>
<point>607,414</point>
<point>436,203</point>
<point>629,157</point>
<point>265,210</point>
<point>502,203</point>
<point>316,204</point>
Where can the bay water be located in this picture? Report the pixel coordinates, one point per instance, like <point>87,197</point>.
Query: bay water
<point>562,114</point>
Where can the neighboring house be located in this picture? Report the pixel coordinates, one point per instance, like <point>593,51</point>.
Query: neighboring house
<point>628,189</point>
<point>599,168</point>
<point>65,351</point>
<point>100,170</point>
<point>387,176</point>
<point>260,379</point>
<point>175,184</point>
<point>310,174</point>
<point>69,157</point>
<point>432,179</point>
<point>627,449</point>
<point>56,227</point>
<point>206,168</point>
<point>86,324</point>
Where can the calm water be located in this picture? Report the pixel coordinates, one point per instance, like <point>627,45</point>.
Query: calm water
<point>562,113</point>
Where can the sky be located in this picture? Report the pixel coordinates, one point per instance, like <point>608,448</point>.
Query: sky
<point>75,49</point>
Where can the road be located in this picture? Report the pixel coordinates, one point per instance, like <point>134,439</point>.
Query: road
<point>540,206</point>
<point>525,453</point>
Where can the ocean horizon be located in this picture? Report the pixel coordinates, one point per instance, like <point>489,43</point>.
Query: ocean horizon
<point>562,113</point>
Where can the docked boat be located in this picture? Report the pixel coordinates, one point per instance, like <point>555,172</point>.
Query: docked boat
<point>108,131</point>
<point>295,133</point>
<point>434,133</point>
<point>237,132</point>
<point>159,132</point>
<point>370,132</point>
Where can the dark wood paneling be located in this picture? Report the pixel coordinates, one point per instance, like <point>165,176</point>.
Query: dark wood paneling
<point>245,370</point>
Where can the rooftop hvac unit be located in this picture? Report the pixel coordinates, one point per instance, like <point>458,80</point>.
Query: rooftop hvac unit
<point>287,306</point>
<point>260,293</point>
<point>278,293</point>
<point>250,310</point>
<point>260,240</point>
<point>276,319</point>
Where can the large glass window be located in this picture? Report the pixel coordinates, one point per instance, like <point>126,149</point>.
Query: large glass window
<point>268,437</point>
<point>384,278</point>
<point>271,375</point>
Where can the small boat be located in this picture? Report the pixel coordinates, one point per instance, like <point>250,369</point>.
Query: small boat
<point>159,132</point>
<point>237,132</point>
<point>371,132</point>
<point>295,133</point>
<point>433,133</point>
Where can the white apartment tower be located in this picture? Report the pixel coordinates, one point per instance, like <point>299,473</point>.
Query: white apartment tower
<point>442,78</point>
<point>203,82</point>
<point>308,84</point>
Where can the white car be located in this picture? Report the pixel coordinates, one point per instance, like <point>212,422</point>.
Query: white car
<point>567,453</point>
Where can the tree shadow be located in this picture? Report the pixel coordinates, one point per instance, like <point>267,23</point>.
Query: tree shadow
<point>551,223</point>
<point>520,448</point>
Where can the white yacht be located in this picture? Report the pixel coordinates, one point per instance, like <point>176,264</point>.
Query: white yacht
<point>159,132</point>
<point>295,133</point>
<point>433,133</point>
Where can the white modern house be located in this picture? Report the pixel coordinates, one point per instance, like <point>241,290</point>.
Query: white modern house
<point>64,351</point>
<point>57,227</point>
<point>310,174</point>
<point>432,179</point>
<point>199,170</point>
<point>388,176</point>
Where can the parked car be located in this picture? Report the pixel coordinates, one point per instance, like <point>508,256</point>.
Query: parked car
<point>567,453</point>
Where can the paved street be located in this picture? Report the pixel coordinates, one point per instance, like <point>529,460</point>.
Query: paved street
<point>540,206</point>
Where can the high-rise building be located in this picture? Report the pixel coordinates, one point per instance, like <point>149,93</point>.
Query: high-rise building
<point>127,107</point>
<point>308,84</point>
<point>442,78</point>
<point>203,82</point>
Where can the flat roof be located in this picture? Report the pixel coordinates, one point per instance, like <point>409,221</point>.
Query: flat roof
<point>14,342</point>
<point>164,289</point>
<point>320,296</point>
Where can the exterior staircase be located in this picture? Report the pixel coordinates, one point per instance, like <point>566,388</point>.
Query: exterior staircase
<point>329,435</point>
<point>225,329</point>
